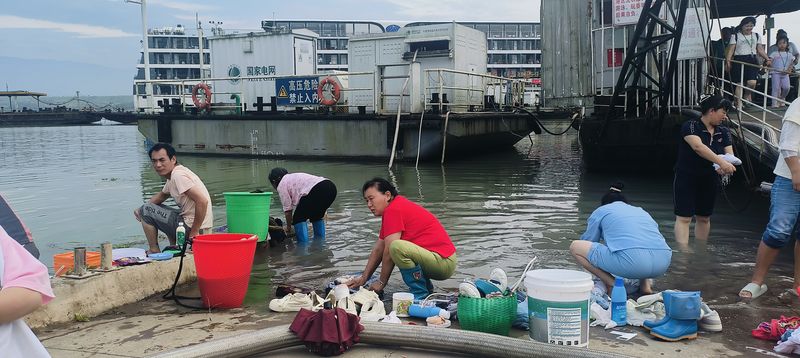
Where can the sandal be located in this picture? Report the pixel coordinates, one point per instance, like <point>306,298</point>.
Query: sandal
<point>755,291</point>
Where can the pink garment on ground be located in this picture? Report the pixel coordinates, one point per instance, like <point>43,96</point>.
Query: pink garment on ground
<point>23,270</point>
<point>294,186</point>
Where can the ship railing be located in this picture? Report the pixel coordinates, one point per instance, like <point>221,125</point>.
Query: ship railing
<point>469,90</point>
<point>766,117</point>
<point>239,89</point>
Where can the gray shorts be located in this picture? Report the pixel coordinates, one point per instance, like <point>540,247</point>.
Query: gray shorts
<point>162,217</point>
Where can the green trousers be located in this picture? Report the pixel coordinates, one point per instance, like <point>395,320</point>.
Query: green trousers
<point>406,255</point>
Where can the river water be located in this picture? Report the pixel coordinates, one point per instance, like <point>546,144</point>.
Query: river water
<point>78,186</point>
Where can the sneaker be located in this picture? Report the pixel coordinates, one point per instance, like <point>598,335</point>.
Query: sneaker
<point>283,290</point>
<point>363,295</point>
<point>372,311</point>
<point>291,303</point>
<point>468,289</point>
<point>499,278</point>
<point>710,320</point>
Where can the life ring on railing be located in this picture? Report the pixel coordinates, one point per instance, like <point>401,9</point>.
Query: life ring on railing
<point>336,91</point>
<point>206,103</point>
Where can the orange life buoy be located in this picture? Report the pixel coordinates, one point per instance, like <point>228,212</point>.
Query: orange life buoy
<point>335,91</point>
<point>206,103</point>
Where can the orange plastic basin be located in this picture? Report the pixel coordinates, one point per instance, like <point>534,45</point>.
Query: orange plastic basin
<point>64,262</point>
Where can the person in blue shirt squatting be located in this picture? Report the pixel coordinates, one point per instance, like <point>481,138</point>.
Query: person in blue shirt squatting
<point>696,182</point>
<point>634,248</point>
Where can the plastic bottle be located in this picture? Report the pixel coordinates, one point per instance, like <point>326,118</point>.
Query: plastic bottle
<point>420,311</point>
<point>180,234</point>
<point>619,298</point>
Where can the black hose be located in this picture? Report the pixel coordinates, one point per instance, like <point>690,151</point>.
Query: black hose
<point>536,118</point>
<point>171,293</point>
<point>748,171</point>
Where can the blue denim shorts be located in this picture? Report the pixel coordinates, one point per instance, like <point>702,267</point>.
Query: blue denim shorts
<point>630,263</point>
<point>784,210</point>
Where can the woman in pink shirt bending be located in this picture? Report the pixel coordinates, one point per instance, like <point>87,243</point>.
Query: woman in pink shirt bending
<point>24,286</point>
<point>303,197</point>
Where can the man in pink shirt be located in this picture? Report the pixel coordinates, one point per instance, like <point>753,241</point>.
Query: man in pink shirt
<point>303,197</point>
<point>189,192</point>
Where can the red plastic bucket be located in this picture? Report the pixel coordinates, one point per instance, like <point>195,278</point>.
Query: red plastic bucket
<point>223,263</point>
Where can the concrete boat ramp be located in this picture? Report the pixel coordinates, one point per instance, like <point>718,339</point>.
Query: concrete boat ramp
<point>111,315</point>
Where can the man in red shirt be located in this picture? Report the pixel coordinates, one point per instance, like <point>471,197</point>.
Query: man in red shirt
<point>410,237</point>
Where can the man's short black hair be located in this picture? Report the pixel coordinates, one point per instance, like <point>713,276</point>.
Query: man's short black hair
<point>159,146</point>
<point>715,103</point>
<point>380,184</point>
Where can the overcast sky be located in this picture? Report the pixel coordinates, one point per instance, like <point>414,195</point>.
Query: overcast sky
<point>60,46</point>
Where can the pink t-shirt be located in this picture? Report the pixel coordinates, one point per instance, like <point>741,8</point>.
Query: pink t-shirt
<point>21,269</point>
<point>181,180</point>
<point>294,186</point>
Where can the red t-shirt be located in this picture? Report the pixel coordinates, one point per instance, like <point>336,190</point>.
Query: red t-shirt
<point>417,225</point>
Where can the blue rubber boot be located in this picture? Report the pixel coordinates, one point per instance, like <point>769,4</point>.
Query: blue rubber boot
<point>667,298</point>
<point>416,281</point>
<point>684,311</point>
<point>319,229</point>
<point>301,231</point>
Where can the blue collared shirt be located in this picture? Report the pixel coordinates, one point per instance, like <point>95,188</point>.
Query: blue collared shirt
<point>624,226</point>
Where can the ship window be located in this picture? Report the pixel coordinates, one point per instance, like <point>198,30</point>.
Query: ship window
<point>608,10</point>
<point>526,30</point>
<point>482,27</point>
<point>297,25</point>
<point>424,46</point>
<point>314,26</point>
<point>496,30</point>
<point>511,30</point>
<point>328,30</point>
<point>361,28</point>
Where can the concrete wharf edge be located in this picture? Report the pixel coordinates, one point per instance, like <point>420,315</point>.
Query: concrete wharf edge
<point>92,296</point>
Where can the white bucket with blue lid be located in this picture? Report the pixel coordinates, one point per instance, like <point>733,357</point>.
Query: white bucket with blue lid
<point>558,306</point>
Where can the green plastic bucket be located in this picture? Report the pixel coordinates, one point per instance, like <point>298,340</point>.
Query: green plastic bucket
<point>248,213</point>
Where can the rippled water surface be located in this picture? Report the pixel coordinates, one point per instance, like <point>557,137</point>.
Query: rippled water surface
<point>76,186</point>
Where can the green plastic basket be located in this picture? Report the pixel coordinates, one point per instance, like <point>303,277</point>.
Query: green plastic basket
<point>490,315</point>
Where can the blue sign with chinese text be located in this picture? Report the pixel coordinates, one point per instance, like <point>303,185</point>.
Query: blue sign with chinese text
<point>297,91</point>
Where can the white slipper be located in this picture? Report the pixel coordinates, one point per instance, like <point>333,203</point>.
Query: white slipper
<point>755,291</point>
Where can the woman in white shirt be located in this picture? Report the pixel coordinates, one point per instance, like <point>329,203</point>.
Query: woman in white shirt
<point>742,58</point>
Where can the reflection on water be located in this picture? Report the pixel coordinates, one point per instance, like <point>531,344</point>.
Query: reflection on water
<point>78,186</point>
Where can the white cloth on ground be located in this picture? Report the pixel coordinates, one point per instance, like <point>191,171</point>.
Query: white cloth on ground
<point>791,345</point>
<point>638,312</point>
<point>602,317</point>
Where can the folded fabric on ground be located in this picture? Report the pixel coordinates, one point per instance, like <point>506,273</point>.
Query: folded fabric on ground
<point>639,312</point>
<point>791,344</point>
<point>117,254</point>
<point>327,332</point>
<point>775,328</point>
